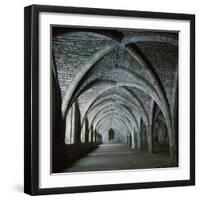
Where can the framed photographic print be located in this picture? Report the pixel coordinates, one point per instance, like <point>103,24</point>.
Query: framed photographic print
<point>109,100</point>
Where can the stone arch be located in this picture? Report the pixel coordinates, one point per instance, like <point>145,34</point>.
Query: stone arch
<point>113,110</point>
<point>142,85</point>
<point>147,89</point>
<point>151,38</point>
<point>107,103</point>
<point>120,130</point>
<point>118,123</point>
<point>87,66</point>
<point>134,55</point>
<point>133,100</point>
<point>163,104</point>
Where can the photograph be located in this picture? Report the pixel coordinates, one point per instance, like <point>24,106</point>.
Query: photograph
<point>114,99</point>
<point>109,99</point>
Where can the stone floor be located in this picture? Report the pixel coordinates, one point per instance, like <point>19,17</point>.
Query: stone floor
<point>120,156</point>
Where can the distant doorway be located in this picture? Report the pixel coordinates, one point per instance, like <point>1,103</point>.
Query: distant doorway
<point>111,134</point>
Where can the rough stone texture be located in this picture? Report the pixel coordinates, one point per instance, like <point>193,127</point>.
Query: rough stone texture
<point>72,50</point>
<point>164,59</point>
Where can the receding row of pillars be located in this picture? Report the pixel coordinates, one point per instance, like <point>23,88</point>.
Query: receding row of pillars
<point>74,133</point>
<point>90,135</point>
<point>143,139</point>
<point>146,137</point>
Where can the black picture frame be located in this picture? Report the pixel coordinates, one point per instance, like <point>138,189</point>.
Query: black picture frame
<point>31,98</point>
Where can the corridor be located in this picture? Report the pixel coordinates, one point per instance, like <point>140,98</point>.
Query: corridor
<point>120,157</point>
<point>114,99</point>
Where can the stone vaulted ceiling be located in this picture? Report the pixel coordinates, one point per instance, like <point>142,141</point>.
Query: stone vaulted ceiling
<point>117,78</point>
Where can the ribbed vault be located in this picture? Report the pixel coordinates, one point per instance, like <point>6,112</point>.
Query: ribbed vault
<point>119,81</point>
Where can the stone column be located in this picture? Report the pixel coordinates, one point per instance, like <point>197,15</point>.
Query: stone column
<point>130,142</point>
<point>138,140</point>
<point>86,131</point>
<point>68,128</point>
<point>172,148</point>
<point>75,124</point>
<point>133,141</point>
<point>73,137</point>
<point>95,136</point>
<point>91,134</point>
<point>150,139</point>
<point>127,139</point>
<point>161,134</point>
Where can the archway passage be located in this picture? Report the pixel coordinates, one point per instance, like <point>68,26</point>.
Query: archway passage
<point>114,96</point>
<point>111,134</point>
